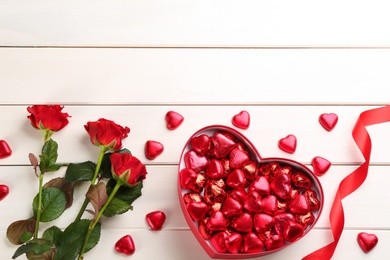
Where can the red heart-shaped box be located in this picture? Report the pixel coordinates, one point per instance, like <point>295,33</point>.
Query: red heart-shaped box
<point>227,239</point>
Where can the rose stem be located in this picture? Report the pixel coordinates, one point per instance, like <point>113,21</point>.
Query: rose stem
<point>103,149</point>
<point>95,221</point>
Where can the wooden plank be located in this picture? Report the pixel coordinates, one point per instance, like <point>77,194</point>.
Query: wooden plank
<point>194,76</point>
<point>268,125</point>
<point>195,23</point>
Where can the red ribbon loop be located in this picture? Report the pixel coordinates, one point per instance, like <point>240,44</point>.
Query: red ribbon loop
<point>353,181</point>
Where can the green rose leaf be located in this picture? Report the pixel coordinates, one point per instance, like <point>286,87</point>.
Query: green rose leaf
<point>106,163</point>
<point>80,171</point>
<point>97,196</point>
<point>53,204</point>
<point>125,193</point>
<point>49,156</point>
<point>52,234</point>
<point>64,185</point>
<point>35,249</point>
<point>116,207</point>
<point>72,239</point>
<point>26,236</point>
<point>16,232</point>
<point>123,199</point>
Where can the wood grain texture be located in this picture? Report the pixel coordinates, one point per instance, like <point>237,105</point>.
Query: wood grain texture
<point>194,23</point>
<point>194,76</point>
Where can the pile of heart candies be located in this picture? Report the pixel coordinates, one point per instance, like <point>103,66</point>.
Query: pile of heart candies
<point>241,205</point>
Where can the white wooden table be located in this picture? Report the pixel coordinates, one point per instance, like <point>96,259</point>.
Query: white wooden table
<point>285,62</point>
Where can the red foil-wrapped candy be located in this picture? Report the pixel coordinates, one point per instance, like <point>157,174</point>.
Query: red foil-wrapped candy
<point>250,170</point>
<point>252,243</point>
<point>252,202</point>
<point>192,196</point>
<point>203,230</point>
<point>300,180</point>
<point>233,242</point>
<point>231,207</point>
<point>243,223</point>
<point>260,185</point>
<point>236,179</point>
<point>312,199</point>
<point>195,161</point>
<point>274,242</point>
<point>263,222</point>
<point>201,144</point>
<point>218,241</point>
<point>197,210</point>
<point>281,186</point>
<point>217,221</point>
<point>215,169</point>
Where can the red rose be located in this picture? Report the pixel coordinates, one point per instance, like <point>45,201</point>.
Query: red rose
<point>106,133</point>
<point>48,117</point>
<point>127,168</point>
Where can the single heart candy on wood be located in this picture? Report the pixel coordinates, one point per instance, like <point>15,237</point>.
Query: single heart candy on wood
<point>367,241</point>
<point>241,120</point>
<point>173,120</point>
<point>320,165</point>
<point>5,150</point>
<point>125,245</point>
<point>248,186</point>
<point>288,143</point>
<point>153,149</point>
<point>328,120</point>
<point>4,190</point>
<point>155,219</point>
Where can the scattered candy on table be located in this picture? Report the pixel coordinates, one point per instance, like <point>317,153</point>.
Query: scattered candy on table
<point>288,143</point>
<point>153,149</point>
<point>328,120</point>
<point>241,120</point>
<point>173,120</point>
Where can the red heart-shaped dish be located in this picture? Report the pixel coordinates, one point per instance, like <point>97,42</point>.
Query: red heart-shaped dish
<point>240,205</point>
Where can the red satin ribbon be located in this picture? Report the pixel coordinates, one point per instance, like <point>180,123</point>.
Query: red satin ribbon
<point>353,181</point>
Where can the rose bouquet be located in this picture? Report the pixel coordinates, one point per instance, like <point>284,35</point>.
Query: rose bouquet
<point>115,183</point>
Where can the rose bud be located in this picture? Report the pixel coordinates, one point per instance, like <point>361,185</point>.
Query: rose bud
<point>127,169</point>
<point>48,117</point>
<point>107,134</point>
